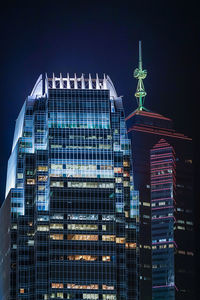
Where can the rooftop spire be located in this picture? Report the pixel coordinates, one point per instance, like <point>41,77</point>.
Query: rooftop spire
<point>140,75</point>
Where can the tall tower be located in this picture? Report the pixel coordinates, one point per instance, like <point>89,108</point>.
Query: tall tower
<point>162,161</point>
<point>69,219</point>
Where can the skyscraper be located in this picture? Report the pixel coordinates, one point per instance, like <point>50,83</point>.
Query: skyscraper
<point>69,219</point>
<point>162,160</point>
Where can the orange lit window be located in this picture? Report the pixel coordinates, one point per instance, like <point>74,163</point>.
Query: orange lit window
<point>21,291</point>
<point>56,236</point>
<point>42,178</point>
<point>42,168</point>
<point>82,237</point>
<point>107,287</point>
<point>30,181</point>
<point>57,286</point>
<point>120,240</point>
<point>106,258</point>
<point>126,163</point>
<point>82,287</point>
<point>108,238</point>
<point>82,257</point>
<point>131,245</point>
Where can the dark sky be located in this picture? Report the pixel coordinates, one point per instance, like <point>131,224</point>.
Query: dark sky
<point>100,37</point>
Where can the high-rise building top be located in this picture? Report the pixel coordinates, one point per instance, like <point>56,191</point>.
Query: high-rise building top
<point>70,217</point>
<point>162,160</point>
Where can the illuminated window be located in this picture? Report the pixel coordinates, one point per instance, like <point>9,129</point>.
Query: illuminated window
<point>42,228</point>
<point>120,240</point>
<point>190,253</point>
<point>57,184</point>
<point>146,204</point>
<point>181,252</point>
<point>126,174</point>
<point>107,287</point>
<point>131,245</point>
<point>42,168</point>
<point>56,226</point>
<point>126,163</point>
<point>104,227</point>
<point>82,227</point>
<point>109,297</point>
<point>106,258</point>
<point>171,245</point>
<point>118,170</point>
<point>118,180</point>
<point>90,296</point>
<point>56,166</point>
<point>127,214</point>
<point>82,257</point>
<point>108,217</point>
<point>42,178</point>
<point>126,184</point>
<point>57,216</point>
<point>41,187</point>
<point>82,237</point>
<point>30,181</point>
<point>57,285</point>
<point>147,247</point>
<point>21,291</point>
<point>56,236</point>
<point>82,217</point>
<point>19,175</point>
<point>60,295</point>
<point>90,185</point>
<point>108,238</point>
<point>82,287</point>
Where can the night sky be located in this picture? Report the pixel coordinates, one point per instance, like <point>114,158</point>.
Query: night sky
<point>100,37</point>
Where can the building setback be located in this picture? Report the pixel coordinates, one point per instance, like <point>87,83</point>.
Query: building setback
<point>162,160</point>
<point>69,219</point>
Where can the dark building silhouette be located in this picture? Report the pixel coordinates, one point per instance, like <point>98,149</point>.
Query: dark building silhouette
<point>69,220</point>
<point>162,160</point>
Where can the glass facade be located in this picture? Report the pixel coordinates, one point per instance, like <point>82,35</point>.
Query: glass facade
<point>74,210</point>
<point>163,175</point>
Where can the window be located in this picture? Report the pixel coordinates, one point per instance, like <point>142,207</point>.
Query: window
<point>42,168</point>
<point>19,175</point>
<point>56,166</point>
<point>82,257</point>
<point>74,184</point>
<point>41,187</point>
<point>21,291</point>
<point>56,226</point>
<point>57,184</point>
<point>30,181</point>
<point>107,287</point>
<point>81,217</point>
<point>82,227</point>
<point>120,240</point>
<point>106,258</point>
<point>108,238</point>
<point>82,237</point>
<point>57,286</point>
<point>131,245</point>
<point>56,236</point>
<point>42,178</point>
<point>109,297</point>
<point>82,287</point>
<point>42,228</point>
<point>90,296</point>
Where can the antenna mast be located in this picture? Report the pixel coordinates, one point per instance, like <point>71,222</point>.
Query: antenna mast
<point>140,75</point>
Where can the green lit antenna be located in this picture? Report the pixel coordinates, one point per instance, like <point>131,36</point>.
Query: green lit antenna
<point>140,75</point>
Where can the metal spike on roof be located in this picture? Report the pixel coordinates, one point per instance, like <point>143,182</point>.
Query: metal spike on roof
<point>90,82</point>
